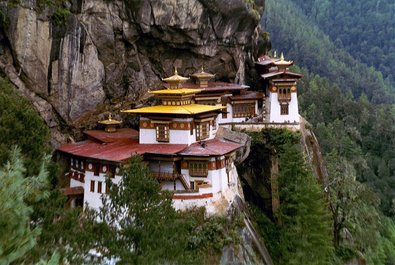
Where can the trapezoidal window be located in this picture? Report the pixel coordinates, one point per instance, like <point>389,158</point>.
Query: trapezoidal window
<point>198,168</point>
<point>162,132</point>
<point>284,109</point>
<point>202,130</point>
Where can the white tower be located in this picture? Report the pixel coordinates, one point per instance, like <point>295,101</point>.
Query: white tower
<point>282,100</point>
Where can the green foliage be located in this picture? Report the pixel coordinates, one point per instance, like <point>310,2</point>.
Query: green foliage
<point>16,236</point>
<point>305,221</point>
<point>60,15</point>
<point>384,251</point>
<point>21,125</point>
<point>302,234</point>
<point>364,28</point>
<point>311,48</point>
<point>357,131</point>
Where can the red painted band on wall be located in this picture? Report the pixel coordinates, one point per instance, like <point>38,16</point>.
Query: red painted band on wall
<point>192,197</point>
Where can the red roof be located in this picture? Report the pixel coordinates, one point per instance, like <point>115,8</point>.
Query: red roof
<point>249,95</point>
<point>106,137</point>
<point>209,148</point>
<point>119,150</point>
<point>265,60</point>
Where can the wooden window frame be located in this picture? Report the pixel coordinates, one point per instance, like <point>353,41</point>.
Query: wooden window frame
<point>99,187</point>
<point>162,131</point>
<point>284,94</point>
<point>198,168</point>
<point>243,110</point>
<point>284,109</point>
<point>202,130</point>
<point>92,187</point>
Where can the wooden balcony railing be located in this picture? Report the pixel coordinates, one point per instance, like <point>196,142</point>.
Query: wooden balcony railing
<point>172,176</point>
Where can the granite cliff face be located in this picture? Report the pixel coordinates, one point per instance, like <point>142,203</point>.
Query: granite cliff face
<point>85,57</point>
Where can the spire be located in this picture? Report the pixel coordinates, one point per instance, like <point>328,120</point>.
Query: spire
<point>282,64</point>
<point>275,54</point>
<point>202,78</point>
<point>175,79</point>
<point>110,124</point>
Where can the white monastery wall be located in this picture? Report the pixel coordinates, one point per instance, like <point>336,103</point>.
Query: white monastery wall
<point>275,110</point>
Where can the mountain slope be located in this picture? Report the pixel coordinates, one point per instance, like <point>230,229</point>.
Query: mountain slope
<point>293,33</point>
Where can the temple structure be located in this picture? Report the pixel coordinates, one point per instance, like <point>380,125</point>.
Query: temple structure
<point>279,86</point>
<point>178,137</point>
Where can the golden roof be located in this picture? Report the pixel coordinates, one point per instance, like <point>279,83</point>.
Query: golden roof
<point>110,121</point>
<point>180,91</point>
<point>202,74</point>
<point>175,78</point>
<point>282,61</point>
<point>185,109</point>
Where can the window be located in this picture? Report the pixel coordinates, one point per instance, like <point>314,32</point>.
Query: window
<point>92,186</point>
<point>99,186</point>
<point>198,168</point>
<point>243,110</point>
<point>284,109</point>
<point>162,132</point>
<point>284,94</point>
<point>202,130</point>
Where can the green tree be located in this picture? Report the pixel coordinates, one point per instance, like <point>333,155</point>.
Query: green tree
<point>16,236</point>
<point>305,229</point>
<point>21,125</point>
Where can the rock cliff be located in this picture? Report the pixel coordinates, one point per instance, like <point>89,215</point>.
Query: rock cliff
<point>77,59</point>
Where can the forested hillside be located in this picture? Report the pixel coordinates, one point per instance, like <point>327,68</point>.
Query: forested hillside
<point>292,32</point>
<point>365,29</point>
<point>341,49</point>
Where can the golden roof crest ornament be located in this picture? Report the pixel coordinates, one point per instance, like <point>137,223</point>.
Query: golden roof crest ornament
<point>110,123</point>
<point>175,79</point>
<point>202,74</point>
<point>283,62</point>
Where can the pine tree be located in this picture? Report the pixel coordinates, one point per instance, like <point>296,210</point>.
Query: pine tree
<point>16,236</point>
<point>305,231</point>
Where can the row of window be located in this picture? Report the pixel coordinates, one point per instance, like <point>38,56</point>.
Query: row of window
<point>284,94</point>
<point>95,167</point>
<point>202,131</point>
<point>198,168</point>
<point>243,110</point>
<point>97,188</point>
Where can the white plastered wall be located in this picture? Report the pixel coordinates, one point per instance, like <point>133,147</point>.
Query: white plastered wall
<point>275,109</point>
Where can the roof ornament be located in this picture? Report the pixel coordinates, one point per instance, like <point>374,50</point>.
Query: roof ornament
<point>275,54</point>
<point>110,124</point>
<point>175,80</point>
<point>202,77</point>
<point>282,56</point>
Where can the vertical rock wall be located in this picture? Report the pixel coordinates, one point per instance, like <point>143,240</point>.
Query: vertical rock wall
<point>90,55</point>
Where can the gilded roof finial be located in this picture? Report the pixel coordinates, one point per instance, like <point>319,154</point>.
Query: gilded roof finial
<point>282,56</point>
<point>202,69</point>
<point>110,123</point>
<point>275,54</point>
<point>175,70</point>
